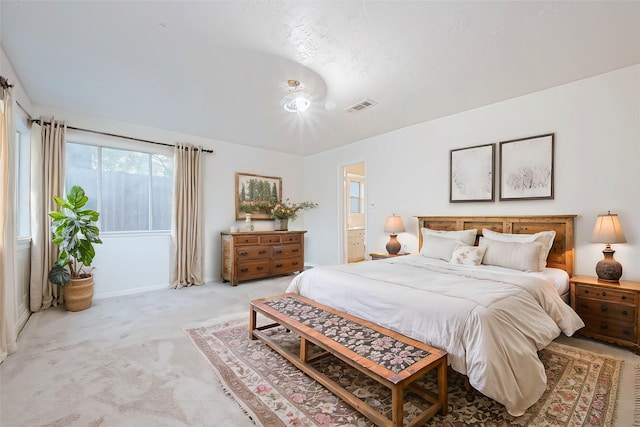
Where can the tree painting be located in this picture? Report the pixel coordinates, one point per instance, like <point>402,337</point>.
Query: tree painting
<point>256,195</point>
<point>527,168</point>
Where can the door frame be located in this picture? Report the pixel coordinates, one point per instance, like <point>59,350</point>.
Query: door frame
<point>344,208</point>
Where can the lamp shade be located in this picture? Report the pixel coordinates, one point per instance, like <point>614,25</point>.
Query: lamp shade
<point>394,225</point>
<point>608,230</point>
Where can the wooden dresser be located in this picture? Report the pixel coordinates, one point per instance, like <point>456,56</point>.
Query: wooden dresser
<point>256,254</point>
<point>609,310</point>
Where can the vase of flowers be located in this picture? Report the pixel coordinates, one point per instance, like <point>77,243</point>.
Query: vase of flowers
<point>284,211</point>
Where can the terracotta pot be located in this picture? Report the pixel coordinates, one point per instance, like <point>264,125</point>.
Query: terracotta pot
<point>78,293</point>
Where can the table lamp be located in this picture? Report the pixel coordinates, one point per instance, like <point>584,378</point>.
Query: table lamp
<point>393,225</point>
<point>608,230</point>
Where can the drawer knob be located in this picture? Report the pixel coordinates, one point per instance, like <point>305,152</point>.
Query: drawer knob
<point>278,265</point>
<point>604,294</point>
<point>626,332</point>
<point>604,307</point>
<point>259,268</point>
<point>278,251</point>
<point>262,252</point>
<point>624,312</point>
<point>603,326</point>
<point>294,263</point>
<point>584,305</point>
<point>586,291</point>
<point>295,250</point>
<point>244,270</point>
<point>624,297</point>
<point>243,253</point>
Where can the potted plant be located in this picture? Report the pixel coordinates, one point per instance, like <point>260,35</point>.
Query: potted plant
<point>284,211</point>
<point>74,231</point>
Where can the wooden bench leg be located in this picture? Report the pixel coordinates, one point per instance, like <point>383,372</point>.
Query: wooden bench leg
<point>252,323</point>
<point>397,406</point>
<point>442,386</point>
<point>304,349</point>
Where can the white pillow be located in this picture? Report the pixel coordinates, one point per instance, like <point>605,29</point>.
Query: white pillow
<point>516,255</point>
<point>468,255</point>
<point>545,238</point>
<point>438,247</point>
<point>464,236</point>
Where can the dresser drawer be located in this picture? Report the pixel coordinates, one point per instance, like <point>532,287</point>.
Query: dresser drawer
<point>294,238</point>
<point>607,328</point>
<point>253,252</point>
<point>266,240</point>
<point>284,251</point>
<point>613,295</point>
<point>246,240</point>
<point>605,309</point>
<point>253,269</point>
<point>287,265</point>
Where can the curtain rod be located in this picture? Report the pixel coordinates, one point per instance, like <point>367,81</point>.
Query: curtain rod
<point>40,122</point>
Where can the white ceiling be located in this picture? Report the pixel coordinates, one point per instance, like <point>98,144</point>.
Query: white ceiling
<point>218,69</point>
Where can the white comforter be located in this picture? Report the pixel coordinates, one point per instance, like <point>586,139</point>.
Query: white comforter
<point>490,323</point>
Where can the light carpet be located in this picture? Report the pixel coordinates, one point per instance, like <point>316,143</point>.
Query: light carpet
<point>126,362</point>
<point>581,390</point>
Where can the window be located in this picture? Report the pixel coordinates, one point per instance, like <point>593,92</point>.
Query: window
<point>132,190</point>
<point>355,197</point>
<point>23,181</point>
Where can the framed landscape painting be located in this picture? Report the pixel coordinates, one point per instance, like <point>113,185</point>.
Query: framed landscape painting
<point>472,174</point>
<point>255,194</point>
<point>526,168</point>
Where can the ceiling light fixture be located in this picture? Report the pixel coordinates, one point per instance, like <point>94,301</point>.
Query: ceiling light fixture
<point>296,101</point>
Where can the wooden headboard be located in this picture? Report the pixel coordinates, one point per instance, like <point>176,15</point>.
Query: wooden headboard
<point>561,254</point>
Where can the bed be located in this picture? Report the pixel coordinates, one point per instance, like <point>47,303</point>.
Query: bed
<point>492,319</point>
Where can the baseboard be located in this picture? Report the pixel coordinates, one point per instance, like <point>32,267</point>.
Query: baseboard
<point>130,291</point>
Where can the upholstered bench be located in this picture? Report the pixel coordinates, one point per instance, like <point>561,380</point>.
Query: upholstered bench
<point>365,346</point>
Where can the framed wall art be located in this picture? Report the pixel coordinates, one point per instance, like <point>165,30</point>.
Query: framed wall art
<point>255,194</point>
<point>472,174</point>
<point>526,168</point>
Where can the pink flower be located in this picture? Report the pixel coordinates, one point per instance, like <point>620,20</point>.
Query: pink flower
<point>297,397</point>
<point>322,419</point>
<point>263,389</point>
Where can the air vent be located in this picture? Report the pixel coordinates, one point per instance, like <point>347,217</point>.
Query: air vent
<point>361,106</point>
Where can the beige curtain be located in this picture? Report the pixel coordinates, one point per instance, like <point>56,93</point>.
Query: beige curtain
<point>186,251</point>
<point>47,180</point>
<point>8,303</point>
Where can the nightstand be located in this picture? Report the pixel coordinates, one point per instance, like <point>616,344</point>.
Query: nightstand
<point>609,310</point>
<point>385,255</point>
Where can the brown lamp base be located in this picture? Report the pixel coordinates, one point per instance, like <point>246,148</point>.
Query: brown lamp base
<point>608,269</point>
<point>394,246</point>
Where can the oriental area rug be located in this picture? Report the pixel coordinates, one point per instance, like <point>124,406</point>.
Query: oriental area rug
<point>581,386</point>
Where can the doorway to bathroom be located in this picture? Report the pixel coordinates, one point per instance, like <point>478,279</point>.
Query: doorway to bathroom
<point>354,213</point>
